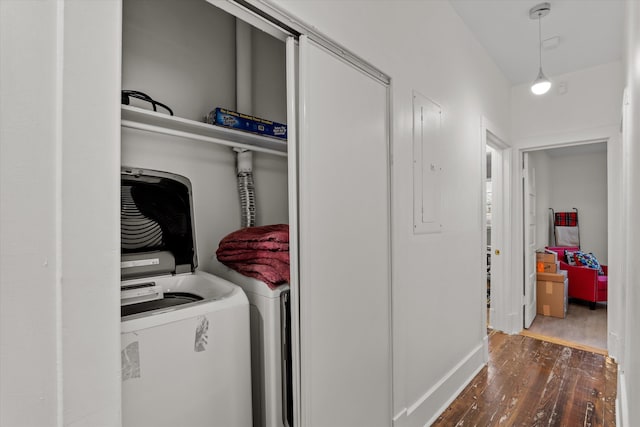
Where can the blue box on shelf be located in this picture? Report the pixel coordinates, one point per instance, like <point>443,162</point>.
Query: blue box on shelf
<point>245,122</point>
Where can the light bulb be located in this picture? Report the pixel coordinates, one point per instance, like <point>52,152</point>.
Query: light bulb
<point>541,84</point>
<point>540,88</point>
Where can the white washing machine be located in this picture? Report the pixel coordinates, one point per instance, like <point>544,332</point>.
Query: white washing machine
<point>185,334</point>
<point>270,350</point>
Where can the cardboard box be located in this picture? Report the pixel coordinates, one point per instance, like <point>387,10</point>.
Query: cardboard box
<point>546,257</point>
<point>245,122</point>
<point>546,267</point>
<point>551,298</point>
<point>552,277</point>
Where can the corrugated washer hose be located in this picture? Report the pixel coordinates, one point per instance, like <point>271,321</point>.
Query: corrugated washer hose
<point>246,189</point>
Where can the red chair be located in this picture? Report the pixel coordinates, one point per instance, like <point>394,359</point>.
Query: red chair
<point>584,282</point>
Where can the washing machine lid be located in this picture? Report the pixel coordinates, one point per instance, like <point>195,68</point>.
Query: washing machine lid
<point>156,224</point>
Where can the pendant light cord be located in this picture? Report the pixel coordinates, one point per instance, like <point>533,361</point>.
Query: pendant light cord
<point>541,84</point>
<point>540,39</point>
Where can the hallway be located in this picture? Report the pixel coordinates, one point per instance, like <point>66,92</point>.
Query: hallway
<point>534,383</point>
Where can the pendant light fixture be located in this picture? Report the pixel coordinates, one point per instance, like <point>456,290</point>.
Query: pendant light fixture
<point>541,84</point>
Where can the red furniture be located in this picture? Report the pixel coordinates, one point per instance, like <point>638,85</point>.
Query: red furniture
<point>584,282</point>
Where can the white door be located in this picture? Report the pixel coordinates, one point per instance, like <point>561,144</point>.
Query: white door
<point>495,224</point>
<point>344,243</point>
<point>529,192</point>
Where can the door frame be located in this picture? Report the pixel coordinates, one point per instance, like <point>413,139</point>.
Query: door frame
<point>493,136</point>
<point>516,315</point>
<point>529,240</point>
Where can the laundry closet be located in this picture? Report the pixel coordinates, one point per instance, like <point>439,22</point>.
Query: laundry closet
<point>329,180</point>
<point>183,54</point>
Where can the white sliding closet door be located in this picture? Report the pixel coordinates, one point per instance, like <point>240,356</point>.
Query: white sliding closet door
<point>344,246</point>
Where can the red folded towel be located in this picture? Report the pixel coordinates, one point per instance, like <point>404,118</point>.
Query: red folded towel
<point>249,255</point>
<point>263,233</point>
<point>265,246</point>
<point>263,273</point>
<point>259,252</point>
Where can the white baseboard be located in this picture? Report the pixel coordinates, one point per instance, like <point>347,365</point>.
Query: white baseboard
<point>622,402</point>
<point>400,419</point>
<point>425,410</point>
<point>613,346</point>
<point>485,349</point>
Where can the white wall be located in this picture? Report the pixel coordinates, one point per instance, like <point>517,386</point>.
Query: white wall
<point>193,72</point>
<point>190,71</point>
<point>59,224</point>
<point>90,223</point>
<point>438,328</point>
<point>574,178</point>
<point>28,251</point>
<point>629,368</point>
<point>580,181</point>
<point>268,77</point>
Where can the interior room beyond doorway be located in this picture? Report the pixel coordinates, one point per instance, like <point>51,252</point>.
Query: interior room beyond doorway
<point>567,178</point>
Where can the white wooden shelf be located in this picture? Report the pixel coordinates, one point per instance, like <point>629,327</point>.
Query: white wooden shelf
<point>152,121</point>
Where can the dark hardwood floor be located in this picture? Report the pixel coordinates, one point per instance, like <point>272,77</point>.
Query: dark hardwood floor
<point>529,382</point>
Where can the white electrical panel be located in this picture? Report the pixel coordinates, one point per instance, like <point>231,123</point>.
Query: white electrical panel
<point>427,171</point>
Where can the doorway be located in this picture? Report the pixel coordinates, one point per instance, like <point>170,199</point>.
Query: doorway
<point>496,214</point>
<point>488,218</point>
<point>558,172</point>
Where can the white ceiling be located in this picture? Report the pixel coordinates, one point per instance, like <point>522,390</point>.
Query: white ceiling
<point>589,31</point>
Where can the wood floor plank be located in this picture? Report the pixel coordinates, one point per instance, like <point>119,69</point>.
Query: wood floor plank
<point>535,396</point>
<point>610,392</point>
<point>596,385</point>
<point>502,399</point>
<point>529,382</point>
<point>573,409</point>
<point>564,342</point>
<point>551,394</point>
<point>467,403</point>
